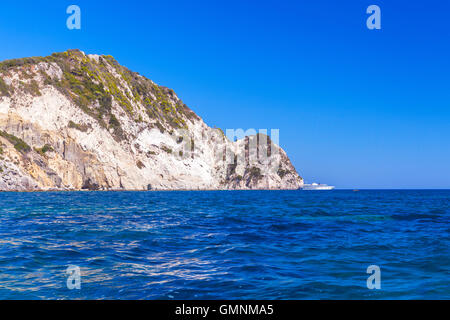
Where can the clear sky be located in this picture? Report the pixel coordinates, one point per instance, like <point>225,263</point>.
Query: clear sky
<point>356,108</point>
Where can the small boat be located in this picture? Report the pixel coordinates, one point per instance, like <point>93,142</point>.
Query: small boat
<point>317,186</point>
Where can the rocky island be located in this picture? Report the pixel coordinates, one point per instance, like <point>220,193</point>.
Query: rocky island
<point>72,121</point>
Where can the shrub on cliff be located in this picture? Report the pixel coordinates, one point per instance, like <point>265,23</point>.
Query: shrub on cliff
<point>4,89</point>
<point>18,143</point>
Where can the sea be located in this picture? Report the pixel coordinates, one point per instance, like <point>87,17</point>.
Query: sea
<point>341,244</point>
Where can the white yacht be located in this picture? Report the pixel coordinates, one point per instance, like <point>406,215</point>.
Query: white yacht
<point>317,186</point>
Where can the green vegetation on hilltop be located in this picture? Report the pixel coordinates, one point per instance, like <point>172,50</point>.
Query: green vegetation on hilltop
<point>14,63</point>
<point>94,83</point>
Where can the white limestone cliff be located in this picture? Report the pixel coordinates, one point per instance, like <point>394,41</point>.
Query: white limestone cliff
<point>83,122</point>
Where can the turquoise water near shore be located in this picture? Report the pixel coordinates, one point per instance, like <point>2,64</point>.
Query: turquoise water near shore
<point>225,244</point>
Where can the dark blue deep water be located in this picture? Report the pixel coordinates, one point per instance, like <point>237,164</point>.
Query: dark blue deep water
<point>225,245</point>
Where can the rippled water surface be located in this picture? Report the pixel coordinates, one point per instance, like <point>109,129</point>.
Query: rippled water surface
<point>225,245</point>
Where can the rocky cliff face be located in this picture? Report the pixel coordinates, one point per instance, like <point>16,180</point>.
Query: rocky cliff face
<point>72,121</point>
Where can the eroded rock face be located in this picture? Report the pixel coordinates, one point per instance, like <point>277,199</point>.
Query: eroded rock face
<point>73,121</point>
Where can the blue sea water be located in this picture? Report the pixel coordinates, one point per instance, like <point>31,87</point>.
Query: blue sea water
<point>225,245</point>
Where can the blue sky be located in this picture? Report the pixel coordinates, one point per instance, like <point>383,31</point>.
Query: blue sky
<point>356,108</point>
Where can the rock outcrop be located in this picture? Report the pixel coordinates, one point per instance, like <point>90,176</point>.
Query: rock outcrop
<point>72,121</point>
